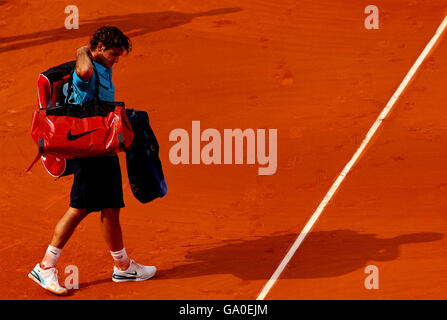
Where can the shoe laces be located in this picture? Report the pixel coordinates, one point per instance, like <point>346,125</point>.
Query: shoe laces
<point>53,276</point>
<point>137,265</point>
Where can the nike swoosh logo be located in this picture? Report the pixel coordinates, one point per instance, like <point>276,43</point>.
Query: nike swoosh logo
<point>72,137</point>
<point>132,273</point>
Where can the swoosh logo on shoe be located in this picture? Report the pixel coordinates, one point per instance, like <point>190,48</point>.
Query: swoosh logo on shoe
<point>116,276</point>
<point>132,273</point>
<point>35,275</point>
<point>72,137</point>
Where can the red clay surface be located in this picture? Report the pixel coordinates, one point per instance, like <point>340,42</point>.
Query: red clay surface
<point>309,69</point>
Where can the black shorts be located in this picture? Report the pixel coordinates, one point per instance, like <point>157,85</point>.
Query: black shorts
<point>97,184</point>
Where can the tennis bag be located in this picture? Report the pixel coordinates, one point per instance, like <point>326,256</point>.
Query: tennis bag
<point>144,169</point>
<point>63,130</point>
<point>53,89</point>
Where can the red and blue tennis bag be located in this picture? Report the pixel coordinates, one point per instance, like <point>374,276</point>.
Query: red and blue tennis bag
<point>64,131</point>
<point>144,169</point>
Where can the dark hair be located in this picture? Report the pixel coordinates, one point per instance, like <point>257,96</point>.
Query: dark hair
<point>111,37</point>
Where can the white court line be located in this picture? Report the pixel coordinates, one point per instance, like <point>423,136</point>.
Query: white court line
<point>350,164</point>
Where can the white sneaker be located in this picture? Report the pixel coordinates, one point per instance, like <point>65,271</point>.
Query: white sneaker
<point>135,272</point>
<point>47,279</point>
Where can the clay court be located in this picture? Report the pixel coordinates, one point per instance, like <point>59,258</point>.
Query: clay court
<point>309,69</point>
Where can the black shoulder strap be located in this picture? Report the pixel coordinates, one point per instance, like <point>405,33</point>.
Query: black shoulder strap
<point>70,85</point>
<point>96,84</point>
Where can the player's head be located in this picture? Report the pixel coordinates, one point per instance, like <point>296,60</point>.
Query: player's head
<point>107,44</point>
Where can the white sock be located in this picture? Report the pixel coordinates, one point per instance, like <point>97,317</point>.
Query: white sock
<point>121,258</point>
<point>51,256</point>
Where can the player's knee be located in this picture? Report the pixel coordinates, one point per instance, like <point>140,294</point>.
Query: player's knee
<point>110,214</point>
<point>78,214</point>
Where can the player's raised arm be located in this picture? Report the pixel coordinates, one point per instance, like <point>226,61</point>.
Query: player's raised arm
<point>84,66</point>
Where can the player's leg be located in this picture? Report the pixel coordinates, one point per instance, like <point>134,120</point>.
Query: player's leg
<point>45,273</point>
<point>125,269</point>
<point>66,226</point>
<point>111,228</point>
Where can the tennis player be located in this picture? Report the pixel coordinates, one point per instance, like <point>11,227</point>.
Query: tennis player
<point>97,183</point>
